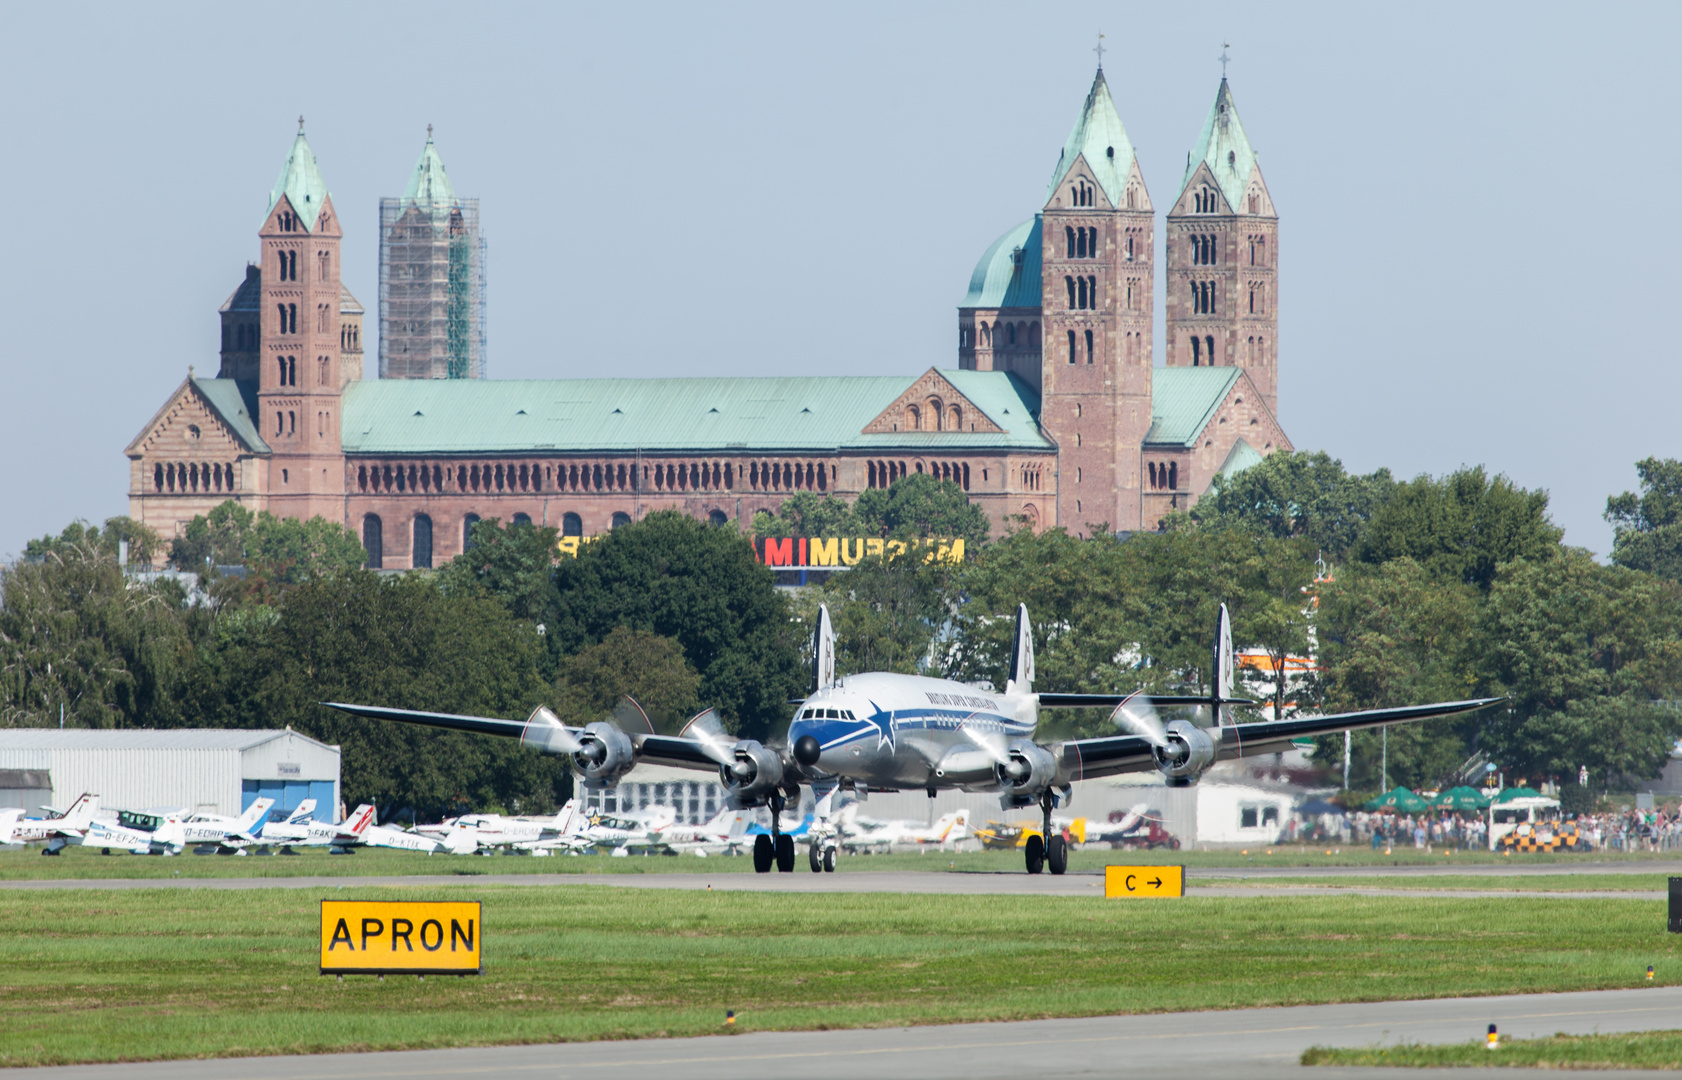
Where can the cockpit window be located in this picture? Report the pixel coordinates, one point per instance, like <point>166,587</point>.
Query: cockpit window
<point>805,714</point>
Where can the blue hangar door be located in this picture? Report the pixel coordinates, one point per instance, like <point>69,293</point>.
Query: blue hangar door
<point>287,794</point>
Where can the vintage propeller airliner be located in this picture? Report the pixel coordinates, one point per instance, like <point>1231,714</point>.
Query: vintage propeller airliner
<point>879,731</point>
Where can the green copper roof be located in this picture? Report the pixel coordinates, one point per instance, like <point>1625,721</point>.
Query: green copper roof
<point>1008,274</point>
<point>1184,400</point>
<point>1100,136</point>
<point>429,183</point>
<point>1224,146</point>
<point>1242,456</point>
<point>300,181</point>
<point>237,405</point>
<point>795,413</point>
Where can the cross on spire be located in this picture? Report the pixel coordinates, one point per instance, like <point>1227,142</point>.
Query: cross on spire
<point>1224,47</point>
<point>429,133</point>
<point>1100,51</point>
<point>300,123</point>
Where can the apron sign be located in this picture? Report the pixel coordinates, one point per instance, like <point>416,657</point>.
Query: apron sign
<point>373,937</point>
<point>1144,881</point>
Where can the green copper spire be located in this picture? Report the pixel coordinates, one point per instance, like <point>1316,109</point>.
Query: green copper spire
<point>429,183</point>
<point>1099,135</point>
<point>300,181</point>
<point>1224,147</point>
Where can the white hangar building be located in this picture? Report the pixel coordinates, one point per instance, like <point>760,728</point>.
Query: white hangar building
<point>215,770</point>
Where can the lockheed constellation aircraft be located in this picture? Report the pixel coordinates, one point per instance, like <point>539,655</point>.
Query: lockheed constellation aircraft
<point>887,732</point>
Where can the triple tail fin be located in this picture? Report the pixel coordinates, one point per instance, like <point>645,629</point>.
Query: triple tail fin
<point>1021,679</point>
<point>823,652</point>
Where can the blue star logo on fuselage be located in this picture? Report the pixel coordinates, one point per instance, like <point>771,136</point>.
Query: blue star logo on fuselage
<point>883,721</point>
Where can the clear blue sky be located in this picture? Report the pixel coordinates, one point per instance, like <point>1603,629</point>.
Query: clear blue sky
<point>1477,255</point>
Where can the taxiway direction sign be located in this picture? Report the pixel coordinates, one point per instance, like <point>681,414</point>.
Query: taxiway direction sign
<point>1144,881</point>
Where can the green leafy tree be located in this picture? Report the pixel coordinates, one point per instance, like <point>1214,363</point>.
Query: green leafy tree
<point>629,663</point>
<point>1298,496</point>
<point>806,513</point>
<point>286,550</point>
<point>514,564</point>
<point>144,544</point>
<point>888,613</point>
<point>918,506</point>
<point>398,641</point>
<point>1647,528</point>
<point>1461,527</point>
<point>76,633</point>
<point>1586,653</point>
<point>1393,635</point>
<point>680,578</point>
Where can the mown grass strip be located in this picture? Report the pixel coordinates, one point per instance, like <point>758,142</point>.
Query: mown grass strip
<point>1640,1050</point>
<point>171,973</point>
<point>1587,882</point>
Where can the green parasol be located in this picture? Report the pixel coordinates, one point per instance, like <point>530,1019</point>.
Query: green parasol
<point>1399,798</point>
<point>1460,798</point>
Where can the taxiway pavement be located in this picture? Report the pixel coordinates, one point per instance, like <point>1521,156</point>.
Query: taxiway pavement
<point>1260,1043</point>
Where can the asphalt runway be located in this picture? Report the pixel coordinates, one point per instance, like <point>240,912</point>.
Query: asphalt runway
<point>964,883</point>
<point>1261,1043</point>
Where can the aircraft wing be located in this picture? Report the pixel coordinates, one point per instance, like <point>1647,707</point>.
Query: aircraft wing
<point>657,749</point>
<point>1107,756</point>
<point>1110,701</point>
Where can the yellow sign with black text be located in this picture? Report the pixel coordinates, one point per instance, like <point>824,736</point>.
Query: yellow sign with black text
<point>1144,881</point>
<point>401,937</point>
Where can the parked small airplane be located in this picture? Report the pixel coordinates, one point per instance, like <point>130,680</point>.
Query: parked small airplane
<point>882,731</point>
<point>857,835</point>
<point>58,831</point>
<point>471,832</point>
<point>138,833</point>
<point>217,832</point>
<point>295,829</point>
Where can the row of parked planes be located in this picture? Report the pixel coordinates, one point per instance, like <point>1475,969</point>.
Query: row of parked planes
<point>653,830</point>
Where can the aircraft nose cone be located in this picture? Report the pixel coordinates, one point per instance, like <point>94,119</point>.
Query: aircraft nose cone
<point>807,750</point>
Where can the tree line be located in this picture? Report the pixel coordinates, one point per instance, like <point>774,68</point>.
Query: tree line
<point>1403,592</point>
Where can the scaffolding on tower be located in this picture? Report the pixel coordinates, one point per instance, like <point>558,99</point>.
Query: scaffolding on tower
<point>432,289</point>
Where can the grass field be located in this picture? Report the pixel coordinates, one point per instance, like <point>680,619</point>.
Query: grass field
<point>1643,1050</point>
<point>1580,882</point>
<point>84,863</point>
<point>97,976</point>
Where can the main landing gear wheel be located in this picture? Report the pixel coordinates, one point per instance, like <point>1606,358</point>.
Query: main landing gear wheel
<point>1035,850</point>
<point>829,860</point>
<point>785,854</point>
<point>764,854</point>
<point>1057,854</point>
<point>815,858</point>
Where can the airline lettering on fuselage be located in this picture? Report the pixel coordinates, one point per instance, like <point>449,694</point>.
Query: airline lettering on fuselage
<point>960,700</point>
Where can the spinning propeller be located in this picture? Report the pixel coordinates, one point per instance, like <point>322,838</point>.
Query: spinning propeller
<point>1137,715</point>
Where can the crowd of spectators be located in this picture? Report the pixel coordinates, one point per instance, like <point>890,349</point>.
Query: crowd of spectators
<point>1659,829</point>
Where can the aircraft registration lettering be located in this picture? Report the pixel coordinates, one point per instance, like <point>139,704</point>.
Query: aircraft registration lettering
<point>368,937</point>
<point>1151,881</point>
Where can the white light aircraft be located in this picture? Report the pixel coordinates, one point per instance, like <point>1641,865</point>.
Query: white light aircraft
<point>882,731</point>
<point>294,830</point>
<point>138,833</point>
<point>469,833</point>
<point>223,833</point>
<point>58,831</point>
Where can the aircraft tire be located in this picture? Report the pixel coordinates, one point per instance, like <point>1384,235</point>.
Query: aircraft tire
<point>1057,854</point>
<point>1034,849</point>
<point>785,854</point>
<point>763,854</point>
<point>829,860</point>
<point>815,857</point>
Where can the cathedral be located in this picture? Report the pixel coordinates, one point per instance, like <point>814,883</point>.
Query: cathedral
<point>1054,416</point>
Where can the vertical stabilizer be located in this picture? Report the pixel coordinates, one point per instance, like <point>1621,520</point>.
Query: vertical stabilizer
<point>1022,655</point>
<point>80,814</point>
<point>1220,673</point>
<point>823,652</point>
<point>253,814</point>
<point>303,813</point>
<point>360,820</point>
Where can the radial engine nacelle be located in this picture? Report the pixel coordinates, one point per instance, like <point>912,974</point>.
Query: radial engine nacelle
<point>1027,768</point>
<point>755,772</point>
<point>1190,750</point>
<point>604,755</point>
